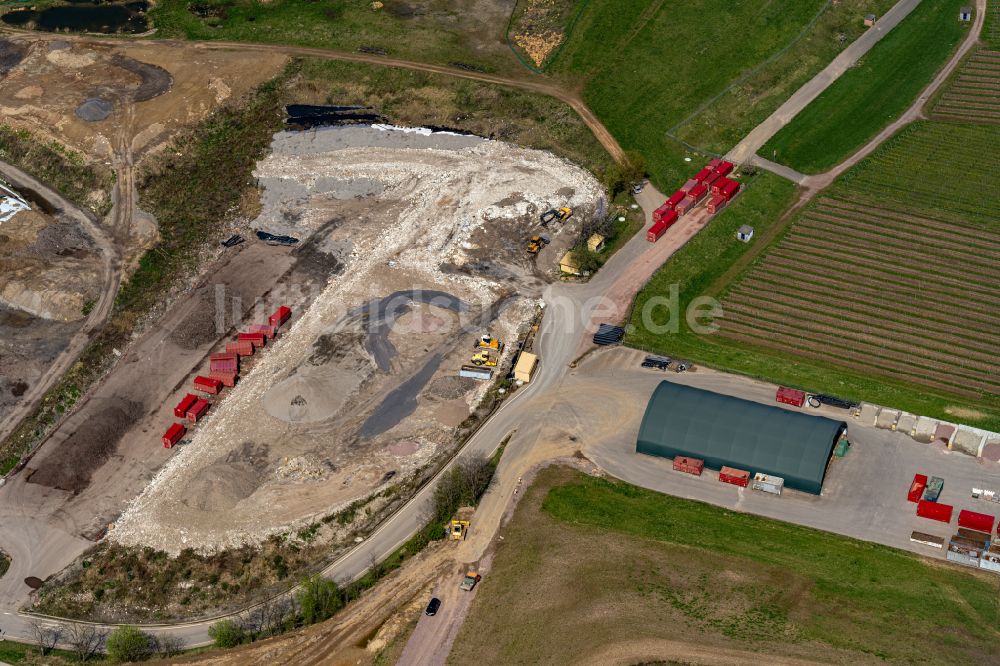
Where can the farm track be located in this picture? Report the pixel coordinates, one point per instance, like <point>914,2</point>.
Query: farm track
<point>852,275</point>
<point>894,332</point>
<point>868,298</point>
<point>858,304</point>
<point>767,339</point>
<point>829,226</point>
<point>872,344</point>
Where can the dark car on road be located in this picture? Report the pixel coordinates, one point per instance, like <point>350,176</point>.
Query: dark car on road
<point>432,607</point>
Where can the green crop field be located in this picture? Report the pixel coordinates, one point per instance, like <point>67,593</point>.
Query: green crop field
<point>886,289</point>
<point>872,94</point>
<point>598,571</point>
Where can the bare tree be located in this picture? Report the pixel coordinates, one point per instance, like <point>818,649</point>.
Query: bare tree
<point>87,640</point>
<point>46,636</point>
<point>167,645</point>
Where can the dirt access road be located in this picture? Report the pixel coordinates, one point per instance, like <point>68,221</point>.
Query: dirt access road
<point>110,276</point>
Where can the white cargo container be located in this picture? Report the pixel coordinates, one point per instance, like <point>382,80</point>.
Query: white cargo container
<point>768,483</point>
<point>483,374</point>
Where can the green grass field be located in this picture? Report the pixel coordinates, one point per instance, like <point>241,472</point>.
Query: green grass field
<point>924,302</point>
<point>641,80</point>
<point>613,565</point>
<point>756,94</point>
<point>872,94</point>
<point>426,30</point>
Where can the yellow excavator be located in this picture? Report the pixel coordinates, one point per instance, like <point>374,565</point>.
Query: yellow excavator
<point>536,243</point>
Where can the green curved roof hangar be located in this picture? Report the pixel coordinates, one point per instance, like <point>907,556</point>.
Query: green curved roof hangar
<point>724,430</point>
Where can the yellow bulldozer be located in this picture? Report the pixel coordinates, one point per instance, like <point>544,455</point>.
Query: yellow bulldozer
<point>489,342</point>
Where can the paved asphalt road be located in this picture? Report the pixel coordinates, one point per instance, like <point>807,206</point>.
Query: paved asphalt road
<point>748,147</point>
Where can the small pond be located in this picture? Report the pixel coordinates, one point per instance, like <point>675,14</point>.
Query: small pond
<point>84,16</point>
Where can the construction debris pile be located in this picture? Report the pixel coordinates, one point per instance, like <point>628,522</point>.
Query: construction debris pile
<point>349,400</point>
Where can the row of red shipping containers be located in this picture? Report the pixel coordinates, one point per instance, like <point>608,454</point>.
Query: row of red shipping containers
<point>223,371</point>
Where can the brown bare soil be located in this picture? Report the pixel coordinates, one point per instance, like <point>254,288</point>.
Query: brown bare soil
<point>174,85</point>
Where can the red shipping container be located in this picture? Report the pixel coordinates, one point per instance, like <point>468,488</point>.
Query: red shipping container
<point>712,177</point>
<point>714,164</point>
<point>223,365</point>
<point>698,193</point>
<point>730,190</point>
<point>280,316</point>
<point>789,396</point>
<point>268,330</point>
<point>703,174</point>
<point>719,184</point>
<point>207,384</point>
<point>659,212</point>
<point>737,477</point>
<point>683,207</point>
<point>197,410</point>
<point>669,219</point>
<point>227,378</point>
<point>656,231</point>
<point>256,338</point>
<point>689,465</point>
<point>716,204</point>
<point>244,348</point>
<point>224,356</point>
<point>689,185</point>
<point>917,488</point>
<point>724,168</point>
<point>934,511</point>
<point>676,198</point>
<point>181,410</point>
<point>976,521</point>
<point>173,435</point>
